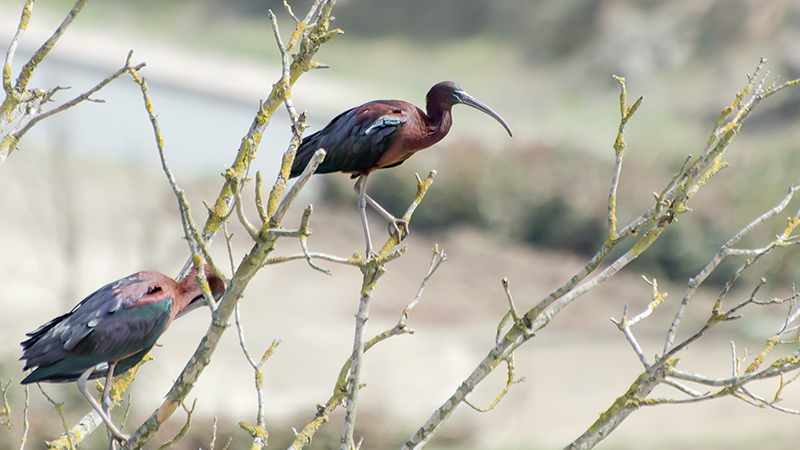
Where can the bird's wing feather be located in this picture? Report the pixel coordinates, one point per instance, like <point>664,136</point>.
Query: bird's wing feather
<point>106,325</point>
<point>354,140</point>
<point>312,143</point>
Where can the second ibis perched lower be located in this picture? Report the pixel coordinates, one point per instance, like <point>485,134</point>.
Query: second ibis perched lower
<point>110,331</point>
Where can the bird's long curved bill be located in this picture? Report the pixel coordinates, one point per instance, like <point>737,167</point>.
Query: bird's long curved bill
<point>475,103</point>
<point>195,303</point>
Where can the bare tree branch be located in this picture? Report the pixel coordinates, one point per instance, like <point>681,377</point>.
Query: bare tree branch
<point>26,426</point>
<point>672,201</point>
<point>258,432</point>
<point>20,99</point>
<point>340,389</point>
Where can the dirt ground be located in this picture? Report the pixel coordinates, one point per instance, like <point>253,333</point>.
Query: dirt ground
<point>573,369</point>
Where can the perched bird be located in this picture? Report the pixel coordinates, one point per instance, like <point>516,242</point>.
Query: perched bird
<point>110,331</point>
<point>382,134</point>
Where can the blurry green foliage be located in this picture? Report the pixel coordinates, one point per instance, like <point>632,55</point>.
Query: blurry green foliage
<point>544,29</point>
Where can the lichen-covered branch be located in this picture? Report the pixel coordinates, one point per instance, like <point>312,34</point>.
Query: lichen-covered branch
<point>24,21</point>
<point>623,407</point>
<point>308,42</point>
<point>86,96</point>
<point>59,407</point>
<point>259,431</point>
<point>619,147</point>
<point>647,228</point>
<point>354,380</point>
<point>6,411</point>
<point>372,269</point>
<point>24,105</point>
<point>197,246</point>
<point>726,250</point>
<point>184,429</point>
<point>26,426</point>
<point>340,391</point>
<point>221,317</point>
<point>305,42</point>
<point>664,369</point>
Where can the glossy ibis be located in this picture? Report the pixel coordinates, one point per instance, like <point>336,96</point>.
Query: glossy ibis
<point>110,331</point>
<point>382,134</point>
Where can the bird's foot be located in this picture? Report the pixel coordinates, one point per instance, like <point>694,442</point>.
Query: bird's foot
<point>394,227</point>
<point>116,435</point>
<point>370,254</point>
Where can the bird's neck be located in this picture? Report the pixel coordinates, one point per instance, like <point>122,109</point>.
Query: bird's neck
<point>440,118</point>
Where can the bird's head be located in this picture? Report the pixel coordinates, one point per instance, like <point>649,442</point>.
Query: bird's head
<point>189,283</point>
<point>449,94</point>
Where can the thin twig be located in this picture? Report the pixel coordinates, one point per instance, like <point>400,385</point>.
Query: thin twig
<point>24,21</point>
<point>29,67</point>
<point>86,96</point>
<point>734,361</point>
<point>228,238</point>
<point>686,390</point>
<point>6,411</point>
<point>258,432</point>
<point>184,429</point>
<point>316,160</point>
<point>658,299</point>
<point>304,231</point>
<point>512,309</point>
<point>696,281</point>
<point>59,407</point>
<point>619,148</point>
<point>262,212</point>
<point>762,402</point>
<point>127,412</point>
<point>624,326</point>
<point>213,435</point>
<point>25,424</point>
<point>305,256</point>
<point>340,390</point>
<point>509,381</point>
<point>311,11</point>
<point>197,245</point>
<point>289,10</point>
<point>237,200</point>
<point>437,259</point>
<point>354,380</point>
<point>793,314</point>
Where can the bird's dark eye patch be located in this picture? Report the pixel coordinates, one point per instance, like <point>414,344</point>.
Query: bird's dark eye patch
<point>153,289</point>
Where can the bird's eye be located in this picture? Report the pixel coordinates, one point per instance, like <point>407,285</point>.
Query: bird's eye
<point>153,290</point>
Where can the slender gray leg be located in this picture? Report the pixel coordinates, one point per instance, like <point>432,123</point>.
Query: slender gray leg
<point>394,222</point>
<point>361,188</point>
<point>107,403</point>
<point>82,387</point>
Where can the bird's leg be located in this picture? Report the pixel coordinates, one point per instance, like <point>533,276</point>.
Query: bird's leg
<point>361,188</point>
<point>394,222</point>
<point>107,403</point>
<point>107,388</point>
<point>82,387</point>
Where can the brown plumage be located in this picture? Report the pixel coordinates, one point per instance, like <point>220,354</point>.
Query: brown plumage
<point>382,134</point>
<point>111,330</point>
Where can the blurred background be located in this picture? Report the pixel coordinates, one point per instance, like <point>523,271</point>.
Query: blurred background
<point>84,202</point>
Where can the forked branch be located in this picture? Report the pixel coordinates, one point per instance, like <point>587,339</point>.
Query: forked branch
<point>646,229</point>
